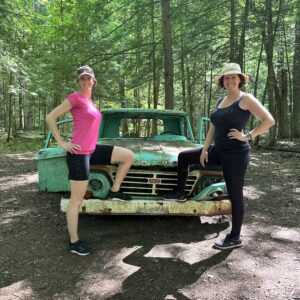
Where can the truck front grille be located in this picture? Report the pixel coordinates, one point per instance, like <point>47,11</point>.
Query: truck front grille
<point>151,183</point>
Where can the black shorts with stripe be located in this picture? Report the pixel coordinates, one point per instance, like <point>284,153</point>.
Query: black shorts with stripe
<point>79,164</point>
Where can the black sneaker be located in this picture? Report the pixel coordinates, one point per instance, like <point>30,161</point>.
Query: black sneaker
<point>80,248</point>
<point>228,243</point>
<point>174,196</point>
<point>118,196</point>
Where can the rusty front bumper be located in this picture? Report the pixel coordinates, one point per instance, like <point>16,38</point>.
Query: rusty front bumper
<point>152,207</point>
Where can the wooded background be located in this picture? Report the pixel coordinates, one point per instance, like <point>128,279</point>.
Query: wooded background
<point>147,53</point>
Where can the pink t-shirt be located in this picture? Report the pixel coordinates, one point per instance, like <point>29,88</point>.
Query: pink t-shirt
<point>86,119</point>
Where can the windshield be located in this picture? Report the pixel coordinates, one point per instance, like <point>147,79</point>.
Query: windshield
<point>127,127</point>
<point>141,127</point>
<point>124,127</point>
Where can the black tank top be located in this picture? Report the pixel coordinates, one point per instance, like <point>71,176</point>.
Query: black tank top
<point>226,118</point>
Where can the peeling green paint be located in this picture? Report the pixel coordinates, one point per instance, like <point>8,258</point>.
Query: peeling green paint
<point>153,171</point>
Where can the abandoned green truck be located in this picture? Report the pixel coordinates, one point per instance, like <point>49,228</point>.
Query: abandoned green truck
<point>156,137</point>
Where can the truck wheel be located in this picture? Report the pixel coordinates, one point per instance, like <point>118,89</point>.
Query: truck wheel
<point>99,185</point>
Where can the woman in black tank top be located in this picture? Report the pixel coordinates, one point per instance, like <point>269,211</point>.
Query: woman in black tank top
<point>231,147</point>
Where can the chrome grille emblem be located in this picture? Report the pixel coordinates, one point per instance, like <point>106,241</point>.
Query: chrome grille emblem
<point>154,181</point>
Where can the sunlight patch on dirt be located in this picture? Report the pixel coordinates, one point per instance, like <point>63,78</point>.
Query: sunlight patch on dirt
<point>287,172</point>
<point>189,253</point>
<point>11,215</point>
<point>9,182</point>
<point>252,193</point>
<point>105,281</point>
<point>286,234</point>
<point>246,276</point>
<point>277,233</point>
<point>21,156</point>
<point>275,188</point>
<point>254,164</point>
<point>17,290</point>
<point>277,285</point>
<point>287,143</point>
<point>210,284</point>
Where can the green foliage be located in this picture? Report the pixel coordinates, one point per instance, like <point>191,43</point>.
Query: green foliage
<point>42,43</point>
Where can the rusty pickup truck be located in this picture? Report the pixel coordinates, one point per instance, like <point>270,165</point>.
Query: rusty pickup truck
<point>156,137</point>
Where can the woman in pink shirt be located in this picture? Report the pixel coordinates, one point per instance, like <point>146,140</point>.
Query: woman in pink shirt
<point>83,150</point>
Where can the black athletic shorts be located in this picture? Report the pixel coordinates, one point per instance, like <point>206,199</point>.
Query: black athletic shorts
<point>79,164</point>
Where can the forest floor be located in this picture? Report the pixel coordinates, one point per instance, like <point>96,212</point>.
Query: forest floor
<point>137,257</point>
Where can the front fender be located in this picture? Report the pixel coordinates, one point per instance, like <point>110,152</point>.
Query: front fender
<point>207,193</point>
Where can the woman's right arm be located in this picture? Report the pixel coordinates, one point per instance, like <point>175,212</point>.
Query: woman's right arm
<point>51,119</point>
<point>207,143</point>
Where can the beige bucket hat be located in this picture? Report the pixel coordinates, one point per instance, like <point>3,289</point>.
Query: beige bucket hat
<point>231,68</point>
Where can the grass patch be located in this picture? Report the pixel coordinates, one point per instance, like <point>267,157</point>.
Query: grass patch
<point>25,142</point>
<point>20,145</point>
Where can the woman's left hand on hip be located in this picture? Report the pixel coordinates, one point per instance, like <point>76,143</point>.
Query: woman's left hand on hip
<point>238,135</point>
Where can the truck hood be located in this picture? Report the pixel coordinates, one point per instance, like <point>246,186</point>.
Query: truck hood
<point>153,153</point>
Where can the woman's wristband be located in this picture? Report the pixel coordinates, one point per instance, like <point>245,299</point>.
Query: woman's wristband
<point>249,136</point>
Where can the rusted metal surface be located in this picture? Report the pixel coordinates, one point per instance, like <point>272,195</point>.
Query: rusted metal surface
<point>152,207</point>
<point>153,172</point>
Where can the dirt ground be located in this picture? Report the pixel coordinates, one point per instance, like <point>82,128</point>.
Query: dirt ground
<point>140,257</point>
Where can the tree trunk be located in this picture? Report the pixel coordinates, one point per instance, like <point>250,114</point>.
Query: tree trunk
<point>155,76</point>
<point>122,97</point>
<point>149,102</point>
<point>56,95</point>
<point>296,79</point>
<point>210,87</point>
<point>283,128</point>
<point>156,84</point>
<point>168,60</point>
<point>44,115</point>
<point>39,111</point>
<point>21,111</point>
<point>263,101</point>
<point>205,86</point>
<point>189,95</point>
<point>155,73</point>
<point>137,90</point>
<point>183,77</point>
<point>30,112</point>
<point>240,59</point>
<point>290,89</point>
<point>257,74</point>
<point>14,131</point>
<point>5,104</point>
<point>10,110</point>
<point>232,32</point>
<point>271,80</point>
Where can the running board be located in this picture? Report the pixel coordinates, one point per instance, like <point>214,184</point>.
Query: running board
<point>152,207</point>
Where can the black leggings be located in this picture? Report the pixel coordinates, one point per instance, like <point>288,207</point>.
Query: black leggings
<point>234,168</point>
